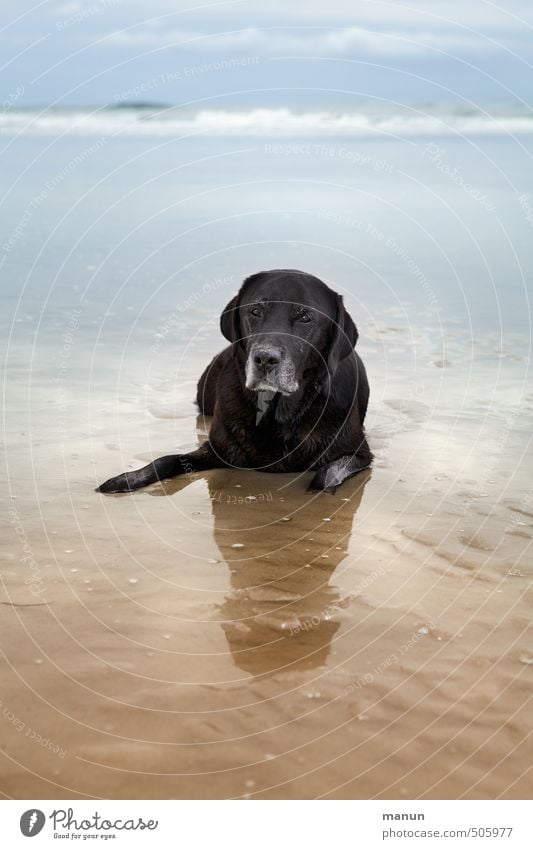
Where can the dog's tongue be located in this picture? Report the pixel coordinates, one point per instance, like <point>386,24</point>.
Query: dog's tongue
<point>264,397</point>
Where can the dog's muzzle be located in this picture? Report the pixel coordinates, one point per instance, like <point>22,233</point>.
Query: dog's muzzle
<point>268,368</point>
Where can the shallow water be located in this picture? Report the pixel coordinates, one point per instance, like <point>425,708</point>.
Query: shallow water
<point>230,634</point>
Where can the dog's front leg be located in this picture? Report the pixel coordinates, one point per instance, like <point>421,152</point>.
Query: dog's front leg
<point>163,468</point>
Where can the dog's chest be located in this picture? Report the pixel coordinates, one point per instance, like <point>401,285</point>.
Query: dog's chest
<point>274,441</point>
<point>266,405</point>
<point>268,436</point>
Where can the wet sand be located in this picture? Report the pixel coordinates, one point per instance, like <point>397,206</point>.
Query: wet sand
<point>231,635</point>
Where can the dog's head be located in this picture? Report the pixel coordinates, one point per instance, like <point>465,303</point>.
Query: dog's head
<point>287,323</point>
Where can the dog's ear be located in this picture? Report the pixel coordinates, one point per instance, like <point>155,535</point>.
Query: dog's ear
<point>343,338</point>
<point>229,321</point>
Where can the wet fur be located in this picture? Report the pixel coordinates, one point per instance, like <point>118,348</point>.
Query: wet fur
<point>319,427</point>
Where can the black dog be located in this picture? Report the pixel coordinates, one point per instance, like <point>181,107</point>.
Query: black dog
<point>288,395</point>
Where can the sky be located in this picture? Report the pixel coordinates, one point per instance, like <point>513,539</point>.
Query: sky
<point>248,53</point>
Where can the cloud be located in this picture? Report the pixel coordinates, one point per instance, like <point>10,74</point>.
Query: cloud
<point>69,8</point>
<point>336,42</point>
<point>478,14</point>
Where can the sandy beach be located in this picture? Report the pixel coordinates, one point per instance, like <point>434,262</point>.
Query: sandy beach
<point>232,635</point>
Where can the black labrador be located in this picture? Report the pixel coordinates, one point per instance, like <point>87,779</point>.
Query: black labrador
<point>288,395</point>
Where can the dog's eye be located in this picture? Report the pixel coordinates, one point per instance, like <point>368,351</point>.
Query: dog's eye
<point>303,316</point>
<point>255,311</point>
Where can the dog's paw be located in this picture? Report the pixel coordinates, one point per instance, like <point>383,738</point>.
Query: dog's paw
<point>120,483</point>
<point>329,478</point>
<point>323,481</point>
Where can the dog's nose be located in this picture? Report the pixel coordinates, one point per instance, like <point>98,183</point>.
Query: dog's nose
<point>266,358</point>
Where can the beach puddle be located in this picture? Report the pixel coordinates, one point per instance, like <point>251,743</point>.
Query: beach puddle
<point>230,634</point>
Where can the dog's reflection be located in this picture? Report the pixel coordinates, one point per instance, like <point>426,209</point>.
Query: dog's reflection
<point>282,611</point>
<point>281,545</point>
